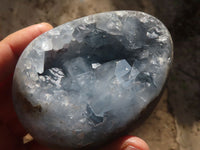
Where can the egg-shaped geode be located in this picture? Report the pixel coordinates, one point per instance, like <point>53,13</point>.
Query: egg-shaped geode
<point>80,83</point>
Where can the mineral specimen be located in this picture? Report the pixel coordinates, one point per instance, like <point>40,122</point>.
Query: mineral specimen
<point>84,81</point>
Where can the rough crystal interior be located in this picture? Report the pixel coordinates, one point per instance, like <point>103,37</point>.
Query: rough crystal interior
<point>87,74</point>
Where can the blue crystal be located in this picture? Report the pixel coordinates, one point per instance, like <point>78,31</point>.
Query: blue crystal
<point>84,81</point>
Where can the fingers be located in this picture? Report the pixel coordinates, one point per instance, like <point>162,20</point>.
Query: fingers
<point>12,46</point>
<point>20,39</point>
<point>128,143</point>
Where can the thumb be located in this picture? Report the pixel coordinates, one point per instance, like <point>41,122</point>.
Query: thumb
<point>128,143</point>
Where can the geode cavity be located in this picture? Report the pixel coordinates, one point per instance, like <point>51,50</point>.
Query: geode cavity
<point>86,80</point>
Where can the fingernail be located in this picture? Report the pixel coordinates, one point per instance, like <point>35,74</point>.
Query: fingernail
<point>42,24</point>
<point>130,148</point>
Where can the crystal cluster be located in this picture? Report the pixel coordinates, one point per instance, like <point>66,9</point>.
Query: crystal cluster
<point>84,81</point>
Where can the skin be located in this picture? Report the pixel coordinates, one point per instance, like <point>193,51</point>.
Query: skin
<point>10,128</point>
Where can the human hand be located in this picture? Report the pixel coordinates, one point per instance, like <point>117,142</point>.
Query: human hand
<point>11,131</point>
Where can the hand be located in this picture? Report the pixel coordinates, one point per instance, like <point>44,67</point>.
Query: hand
<point>11,131</point>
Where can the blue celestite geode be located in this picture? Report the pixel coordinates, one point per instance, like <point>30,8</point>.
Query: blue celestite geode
<point>84,81</point>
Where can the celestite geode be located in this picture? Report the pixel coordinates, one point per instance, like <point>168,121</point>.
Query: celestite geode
<point>84,81</point>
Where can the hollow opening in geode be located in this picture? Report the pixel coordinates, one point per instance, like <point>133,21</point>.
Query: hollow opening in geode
<point>98,66</point>
<point>98,59</point>
<point>94,47</point>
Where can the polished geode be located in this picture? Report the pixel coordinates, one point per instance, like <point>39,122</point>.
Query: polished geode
<point>84,81</point>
